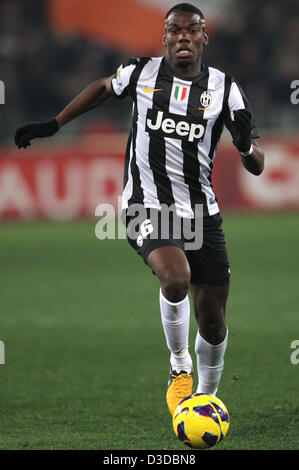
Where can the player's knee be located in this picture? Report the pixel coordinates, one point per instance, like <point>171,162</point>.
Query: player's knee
<point>211,320</point>
<point>213,326</point>
<point>213,330</point>
<point>175,286</point>
<point>210,314</point>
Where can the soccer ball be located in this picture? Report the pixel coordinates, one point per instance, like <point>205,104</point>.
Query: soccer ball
<point>200,421</point>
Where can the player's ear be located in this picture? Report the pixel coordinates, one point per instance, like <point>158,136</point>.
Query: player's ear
<point>205,38</point>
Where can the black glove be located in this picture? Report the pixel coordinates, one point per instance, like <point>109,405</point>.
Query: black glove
<point>26,133</point>
<point>242,127</point>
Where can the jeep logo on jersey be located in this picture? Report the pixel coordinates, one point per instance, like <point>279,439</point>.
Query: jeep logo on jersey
<point>175,126</point>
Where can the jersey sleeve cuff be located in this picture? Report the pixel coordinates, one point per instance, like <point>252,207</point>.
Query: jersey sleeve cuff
<point>120,95</point>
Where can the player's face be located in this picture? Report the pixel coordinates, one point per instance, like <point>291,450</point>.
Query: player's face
<point>184,39</point>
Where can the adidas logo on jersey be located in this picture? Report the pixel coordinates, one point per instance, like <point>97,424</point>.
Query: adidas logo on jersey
<point>175,126</point>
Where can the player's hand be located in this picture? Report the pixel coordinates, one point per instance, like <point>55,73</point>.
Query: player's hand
<point>25,134</point>
<point>242,126</point>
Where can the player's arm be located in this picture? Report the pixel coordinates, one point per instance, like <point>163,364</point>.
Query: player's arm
<point>94,95</point>
<point>252,155</point>
<point>240,122</point>
<point>254,162</point>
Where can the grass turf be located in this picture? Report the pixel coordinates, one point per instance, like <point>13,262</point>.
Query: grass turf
<point>86,360</point>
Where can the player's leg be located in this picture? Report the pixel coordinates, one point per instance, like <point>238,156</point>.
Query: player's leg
<point>211,339</point>
<point>166,258</point>
<point>171,266</point>
<point>168,261</point>
<point>210,277</point>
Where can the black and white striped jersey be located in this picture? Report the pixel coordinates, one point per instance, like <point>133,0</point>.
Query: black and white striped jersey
<point>176,127</point>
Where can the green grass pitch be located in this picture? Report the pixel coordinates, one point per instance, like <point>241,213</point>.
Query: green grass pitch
<point>86,360</point>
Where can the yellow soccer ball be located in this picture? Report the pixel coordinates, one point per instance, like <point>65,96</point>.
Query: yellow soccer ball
<point>200,421</point>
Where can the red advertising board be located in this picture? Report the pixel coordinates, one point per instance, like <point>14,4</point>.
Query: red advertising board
<point>69,183</point>
<point>277,188</point>
<point>58,184</point>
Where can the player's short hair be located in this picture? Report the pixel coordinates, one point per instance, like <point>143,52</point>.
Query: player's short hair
<point>187,7</point>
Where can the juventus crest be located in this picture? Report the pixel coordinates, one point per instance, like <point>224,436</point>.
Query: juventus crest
<point>205,99</point>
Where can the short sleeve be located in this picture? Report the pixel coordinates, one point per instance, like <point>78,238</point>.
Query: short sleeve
<point>238,100</point>
<point>121,81</point>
